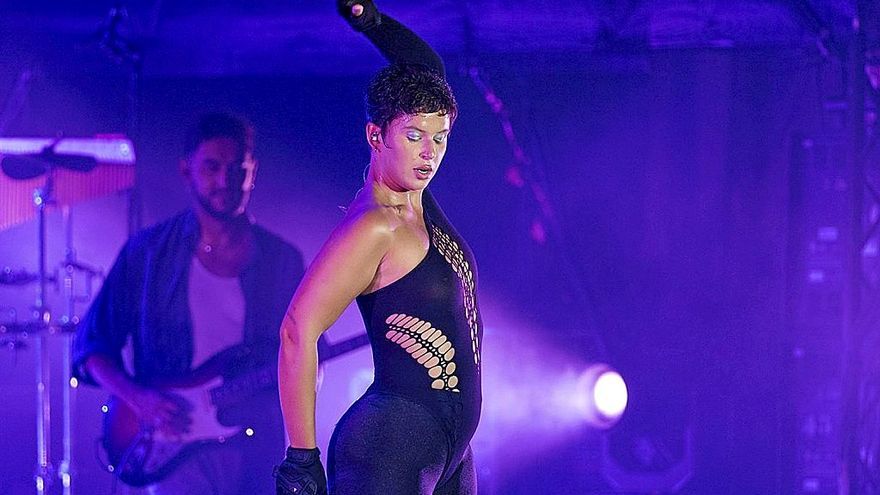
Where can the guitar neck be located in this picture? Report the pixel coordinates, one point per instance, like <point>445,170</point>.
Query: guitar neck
<point>339,348</point>
<point>234,389</point>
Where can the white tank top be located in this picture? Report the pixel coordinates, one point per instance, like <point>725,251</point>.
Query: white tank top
<point>216,305</point>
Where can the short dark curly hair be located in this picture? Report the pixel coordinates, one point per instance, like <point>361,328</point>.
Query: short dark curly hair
<point>408,89</point>
<point>219,125</point>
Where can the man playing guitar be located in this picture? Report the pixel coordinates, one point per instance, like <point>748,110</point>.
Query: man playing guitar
<point>199,298</point>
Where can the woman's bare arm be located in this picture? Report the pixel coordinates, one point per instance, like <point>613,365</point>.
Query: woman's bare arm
<point>344,268</point>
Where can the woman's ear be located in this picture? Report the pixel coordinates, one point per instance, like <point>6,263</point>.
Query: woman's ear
<point>374,135</point>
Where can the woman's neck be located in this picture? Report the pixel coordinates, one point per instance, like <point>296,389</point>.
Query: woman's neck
<point>386,195</point>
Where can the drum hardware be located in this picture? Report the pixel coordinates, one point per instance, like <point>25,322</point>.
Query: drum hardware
<point>13,335</point>
<point>89,168</point>
<point>12,343</point>
<point>44,476</point>
<point>69,267</point>
<point>69,159</point>
<point>8,276</point>
<point>32,165</point>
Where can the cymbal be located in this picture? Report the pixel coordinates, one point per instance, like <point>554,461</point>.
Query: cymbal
<point>31,165</point>
<point>76,178</point>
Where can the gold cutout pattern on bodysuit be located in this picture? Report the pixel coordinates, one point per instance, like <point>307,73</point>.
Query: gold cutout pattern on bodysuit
<point>455,257</point>
<point>427,345</point>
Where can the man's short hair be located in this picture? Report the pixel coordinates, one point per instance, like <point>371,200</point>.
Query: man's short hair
<point>219,125</point>
<point>408,89</point>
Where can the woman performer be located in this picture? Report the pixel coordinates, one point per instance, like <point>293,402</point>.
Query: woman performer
<point>414,280</point>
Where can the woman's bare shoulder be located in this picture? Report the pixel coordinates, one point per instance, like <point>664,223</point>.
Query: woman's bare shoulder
<point>368,222</point>
<point>370,217</point>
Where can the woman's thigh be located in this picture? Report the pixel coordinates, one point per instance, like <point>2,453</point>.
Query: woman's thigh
<point>462,481</point>
<point>386,444</point>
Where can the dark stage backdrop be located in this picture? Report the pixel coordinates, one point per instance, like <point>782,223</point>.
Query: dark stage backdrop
<point>668,176</point>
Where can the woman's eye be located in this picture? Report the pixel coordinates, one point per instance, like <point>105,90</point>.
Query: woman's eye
<point>440,139</point>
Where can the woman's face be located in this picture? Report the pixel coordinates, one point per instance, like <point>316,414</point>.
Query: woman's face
<point>411,151</point>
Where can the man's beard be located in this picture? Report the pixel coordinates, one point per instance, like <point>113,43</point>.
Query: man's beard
<point>221,214</point>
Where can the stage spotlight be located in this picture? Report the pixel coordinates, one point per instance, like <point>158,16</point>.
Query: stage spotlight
<point>603,396</point>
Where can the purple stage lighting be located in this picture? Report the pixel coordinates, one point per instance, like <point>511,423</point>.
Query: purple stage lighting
<point>550,390</point>
<point>603,396</point>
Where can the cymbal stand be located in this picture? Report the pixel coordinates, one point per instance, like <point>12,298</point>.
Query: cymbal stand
<point>72,265</point>
<point>66,384</point>
<point>64,472</point>
<point>46,473</point>
<point>68,321</point>
<point>43,476</point>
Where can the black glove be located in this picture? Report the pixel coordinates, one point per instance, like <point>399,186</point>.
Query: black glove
<point>369,19</point>
<point>300,473</point>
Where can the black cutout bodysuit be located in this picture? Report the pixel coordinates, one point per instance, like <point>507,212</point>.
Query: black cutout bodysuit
<point>440,291</point>
<point>410,432</point>
<point>425,330</point>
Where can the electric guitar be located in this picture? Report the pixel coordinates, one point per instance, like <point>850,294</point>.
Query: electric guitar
<point>140,454</point>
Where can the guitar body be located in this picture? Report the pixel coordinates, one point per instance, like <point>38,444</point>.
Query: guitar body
<point>140,455</point>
